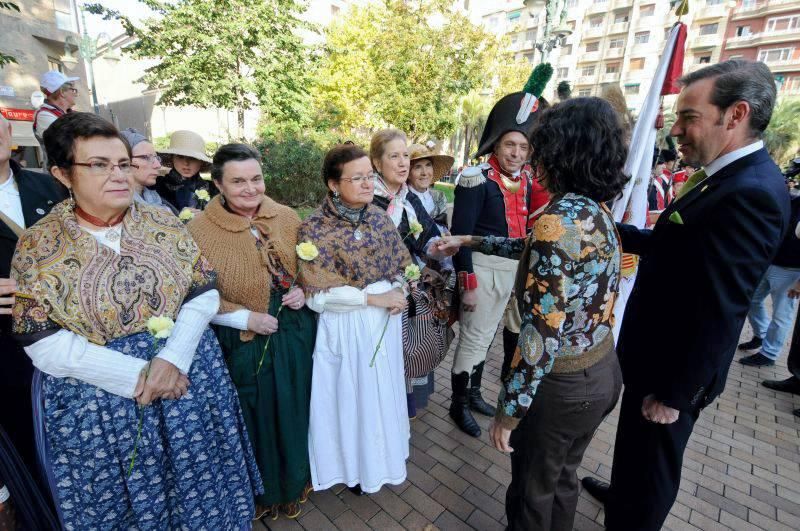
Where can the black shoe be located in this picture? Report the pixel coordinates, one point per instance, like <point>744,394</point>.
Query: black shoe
<point>757,360</point>
<point>459,406</point>
<point>478,404</point>
<point>476,401</point>
<point>599,490</point>
<point>753,344</point>
<point>356,489</point>
<point>789,385</point>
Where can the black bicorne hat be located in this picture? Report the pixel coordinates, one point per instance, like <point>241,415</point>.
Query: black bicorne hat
<point>517,111</point>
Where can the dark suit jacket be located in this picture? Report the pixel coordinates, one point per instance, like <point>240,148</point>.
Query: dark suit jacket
<point>38,193</point>
<point>699,277</point>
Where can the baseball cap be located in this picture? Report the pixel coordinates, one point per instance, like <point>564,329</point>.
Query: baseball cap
<point>53,80</point>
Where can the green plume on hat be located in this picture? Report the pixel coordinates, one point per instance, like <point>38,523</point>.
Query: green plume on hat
<point>538,79</point>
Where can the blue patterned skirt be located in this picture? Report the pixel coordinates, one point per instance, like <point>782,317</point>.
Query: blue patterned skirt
<point>194,466</point>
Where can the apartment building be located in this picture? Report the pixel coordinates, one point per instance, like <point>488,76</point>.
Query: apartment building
<point>621,41</point>
<point>768,31</point>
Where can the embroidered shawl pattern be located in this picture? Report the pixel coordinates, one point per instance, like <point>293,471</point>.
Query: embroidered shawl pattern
<point>345,261</point>
<point>67,279</point>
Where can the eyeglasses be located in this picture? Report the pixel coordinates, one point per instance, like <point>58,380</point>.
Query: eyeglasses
<point>149,158</point>
<point>361,179</point>
<point>100,168</point>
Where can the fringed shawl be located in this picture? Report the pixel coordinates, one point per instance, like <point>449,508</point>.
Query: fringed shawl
<point>345,261</point>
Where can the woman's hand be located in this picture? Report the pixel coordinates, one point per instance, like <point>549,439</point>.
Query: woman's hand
<point>393,300</point>
<point>500,437</point>
<point>294,299</point>
<point>262,323</point>
<point>449,245</point>
<point>164,380</point>
<point>7,289</point>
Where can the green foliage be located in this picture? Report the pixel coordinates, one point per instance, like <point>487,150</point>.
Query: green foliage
<point>231,54</point>
<point>782,137</point>
<point>447,189</point>
<point>292,167</point>
<point>538,80</point>
<point>387,64</point>
<point>8,59</point>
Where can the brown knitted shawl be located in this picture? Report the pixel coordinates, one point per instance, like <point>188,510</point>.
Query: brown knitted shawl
<point>345,261</point>
<point>244,269</point>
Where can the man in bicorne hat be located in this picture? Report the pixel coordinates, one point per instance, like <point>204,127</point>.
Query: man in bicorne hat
<point>496,198</point>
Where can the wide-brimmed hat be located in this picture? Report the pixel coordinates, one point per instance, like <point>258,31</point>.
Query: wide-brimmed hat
<point>187,144</point>
<point>441,163</point>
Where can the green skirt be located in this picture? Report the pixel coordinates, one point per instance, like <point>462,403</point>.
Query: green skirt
<point>275,404</point>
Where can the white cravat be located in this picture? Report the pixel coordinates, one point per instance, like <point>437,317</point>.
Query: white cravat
<point>716,165</point>
<point>10,201</point>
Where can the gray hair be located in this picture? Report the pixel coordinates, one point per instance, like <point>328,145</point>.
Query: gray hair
<point>740,80</point>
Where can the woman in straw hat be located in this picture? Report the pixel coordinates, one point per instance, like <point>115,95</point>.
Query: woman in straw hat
<point>182,186</point>
<point>427,167</point>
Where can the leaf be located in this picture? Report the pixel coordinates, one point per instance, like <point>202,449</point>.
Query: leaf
<point>683,8</point>
<point>10,6</point>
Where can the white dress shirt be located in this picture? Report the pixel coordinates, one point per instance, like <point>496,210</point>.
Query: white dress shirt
<point>716,165</point>
<point>10,200</point>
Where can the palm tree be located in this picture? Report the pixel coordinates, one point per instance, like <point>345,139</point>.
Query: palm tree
<point>782,137</point>
<point>473,114</point>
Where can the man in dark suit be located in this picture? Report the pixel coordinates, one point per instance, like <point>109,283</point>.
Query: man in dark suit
<point>721,234</point>
<point>25,197</point>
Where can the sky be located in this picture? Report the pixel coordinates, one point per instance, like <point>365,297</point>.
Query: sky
<point>96,25</point>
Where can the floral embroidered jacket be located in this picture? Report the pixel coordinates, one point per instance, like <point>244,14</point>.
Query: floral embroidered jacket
<point>570,287</point>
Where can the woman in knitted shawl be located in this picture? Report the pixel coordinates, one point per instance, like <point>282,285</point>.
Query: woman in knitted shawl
<point>359,428</point>
<point>250,241</point>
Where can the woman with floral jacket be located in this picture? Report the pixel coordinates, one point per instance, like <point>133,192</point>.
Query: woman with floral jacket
<point>564,377</point>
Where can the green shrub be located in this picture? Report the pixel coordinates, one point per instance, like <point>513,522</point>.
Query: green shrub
<point>292,170</point>
<point>448,189</point>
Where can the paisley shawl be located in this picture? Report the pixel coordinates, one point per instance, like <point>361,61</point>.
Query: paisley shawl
<point>345,261</point>
<point>66,279</point>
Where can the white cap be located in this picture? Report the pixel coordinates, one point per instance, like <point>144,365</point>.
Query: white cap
<point>53,80</point>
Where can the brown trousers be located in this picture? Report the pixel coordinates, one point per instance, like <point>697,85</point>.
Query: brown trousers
<point>550,441</point>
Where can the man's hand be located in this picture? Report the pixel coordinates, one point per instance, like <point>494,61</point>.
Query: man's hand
<point>163,381</point>
<point>7,287</point>
<point>500,437</point>
<point>656,412</point>
<point>262,324</point>
<point>794,291</point>
<point>469,300</point>
<point>294,299</point>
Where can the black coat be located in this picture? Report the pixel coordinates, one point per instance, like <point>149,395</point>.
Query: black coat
<point>415,246</point>
<point>38,193</point>
<point>700,276</point>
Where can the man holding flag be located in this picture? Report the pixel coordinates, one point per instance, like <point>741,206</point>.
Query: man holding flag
<point>722,231</point>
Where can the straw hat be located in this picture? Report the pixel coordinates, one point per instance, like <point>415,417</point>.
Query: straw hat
<point>187,144</point>
<point>441,163</point>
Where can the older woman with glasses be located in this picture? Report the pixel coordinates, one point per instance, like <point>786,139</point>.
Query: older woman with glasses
<point>138,423</point>
<point>146,165</point>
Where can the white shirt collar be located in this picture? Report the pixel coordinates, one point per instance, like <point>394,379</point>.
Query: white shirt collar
<point>10,185</point>
<point>716,165</point>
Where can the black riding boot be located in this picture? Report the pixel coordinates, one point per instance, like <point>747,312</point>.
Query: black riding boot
<point>459,405</point>
<point>510,340</point>
<point>476,401</point>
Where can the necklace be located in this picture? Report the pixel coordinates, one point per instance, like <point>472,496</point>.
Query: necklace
<point>113,233</point>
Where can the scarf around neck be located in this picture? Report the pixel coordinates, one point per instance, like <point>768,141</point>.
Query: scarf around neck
<point>397,202</point>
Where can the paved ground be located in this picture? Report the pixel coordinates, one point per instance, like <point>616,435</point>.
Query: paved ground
<point>741,469</point>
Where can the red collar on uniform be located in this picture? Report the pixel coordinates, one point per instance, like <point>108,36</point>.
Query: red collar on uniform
<point>516,203</point>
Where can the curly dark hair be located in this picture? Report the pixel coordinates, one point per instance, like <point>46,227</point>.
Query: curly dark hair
<point>60,138</point>
<point>579,145</point>
<point>231,152</point>
<point>336,158</point>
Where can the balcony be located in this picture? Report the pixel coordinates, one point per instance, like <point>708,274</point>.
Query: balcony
<point>763,8</point>
<point>610,78</point>
<point>614,53</point>
<point>598,7</point>
<point>589,57</point>
<point>712,12</point>
<point>789,65</point>
<point>706,41</point>
<point>619,4</point>
<point>590,32</point>
<point>587,80</point>
<point>760,39</point>
<point>694,67</point>
<point>646,48</point>
<point>619,27</point>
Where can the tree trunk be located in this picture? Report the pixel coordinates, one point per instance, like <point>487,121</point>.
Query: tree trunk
<point>240,118</point>
<point>467,143</point>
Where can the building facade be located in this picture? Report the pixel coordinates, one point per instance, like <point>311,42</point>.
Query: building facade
<point>36,38</point>
<point>768,31</point>
<point>621,41</point>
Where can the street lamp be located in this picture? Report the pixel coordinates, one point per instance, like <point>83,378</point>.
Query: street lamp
<point>552,37</point>
<point>87,47</point>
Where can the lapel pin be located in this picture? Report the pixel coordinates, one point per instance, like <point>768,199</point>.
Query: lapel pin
<point>703,189</point>
<point>49,202</point>
<point>40,211</point>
